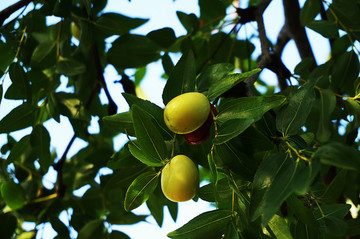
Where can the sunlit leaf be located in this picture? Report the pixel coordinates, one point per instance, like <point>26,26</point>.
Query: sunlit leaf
<point>13,195</point>
<point>148,137</point>
<point>228,82</point>
<point>140,189</point>
<point>248,107</point>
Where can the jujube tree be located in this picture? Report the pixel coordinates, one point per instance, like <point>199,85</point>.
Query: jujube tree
<point>275,161</point>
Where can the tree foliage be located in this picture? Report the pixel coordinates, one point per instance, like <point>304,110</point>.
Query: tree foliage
<point>281,162</point>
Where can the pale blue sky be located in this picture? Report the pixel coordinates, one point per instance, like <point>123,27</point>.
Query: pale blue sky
<point>162,13</point>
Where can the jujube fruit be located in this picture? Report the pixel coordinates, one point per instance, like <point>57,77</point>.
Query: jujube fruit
<point>187,112</point>
<point>180,179</point>
<point>75,30</point>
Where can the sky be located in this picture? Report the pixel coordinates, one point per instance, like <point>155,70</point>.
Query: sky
<point>162,13</point>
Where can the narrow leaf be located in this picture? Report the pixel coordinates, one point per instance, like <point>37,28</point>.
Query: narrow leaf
<point>181,79</point>
<point>339,155</point>
<point>120,123</point>
<point>328,103</point>
<point>228,82</point>
<point>140,189</point>
<point>248,107</point>
<point>91,230</point>
<point>210,224</point>
<point>295,112</point>
<point>136,151</point>
<point>148,137</point>
<point>40,140</point>
<point>231,129</point>
<point>19,118</point>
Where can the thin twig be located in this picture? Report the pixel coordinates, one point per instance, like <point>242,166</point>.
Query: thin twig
<point>6,13</point>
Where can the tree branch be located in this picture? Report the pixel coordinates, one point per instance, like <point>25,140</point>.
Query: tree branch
<point>6,13</point>
<point>295,30</point>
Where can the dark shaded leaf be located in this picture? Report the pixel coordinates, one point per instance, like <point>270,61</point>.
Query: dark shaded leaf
<point>131,51</point>
<point>8,223</point>
<point>91,230</point>
<point>120,123</point>
<point>19,118</point>
<point>327,106</point>
<point>40,140</point>
<point>164,37</point>
<point>309,11</point>
<point>339,155</point>
<point>70,67</point>
<point>19,149</point>
<point>210,224</point>
<point>326,28</point>
<point>7,56</point>
<point>294,113</point>
<point>117,24</point>
<point>181,79</point>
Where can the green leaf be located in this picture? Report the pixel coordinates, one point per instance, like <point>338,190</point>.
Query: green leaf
<point>279,227</point>
<point>19,118</point>
<point>230,129</point>
<point>59,227</point>
<point>212,75</point>
<point>309,11</point>
<point>40,140</point>
<point>216,193</point>
<point>140,189</point>
<point>118,235</point>
<point>117,24</point>
<point>294,113</point>
<point>353,108</point>
<point>344,72</point>
<point>330,217</point>
<point>92,230</point>
<point>19,149</point>
<point>13,195</point>
<point>70,67</point>
<point>8,223</point>
<point>277,177</point>
<point>230,154</point>
<point>164,37</point>
<point>7,56</point>
<point>326,28</point>
<point>146,159</point>
<point>212,166</point>
<point>210,224</point>
<point>327,106</point>
<point>148,137</point>
<point>335,188</point>
<point>44,55</point>
<point>211,10</point>
<point>120,123</point>
<point>156,113</point>
<point>339,155</point>
<point>167,64</point>
<point>132,51</point>
<point>228,82</point>
<point>181,79</point>
<point>20,87</point>
<point>248,107</point>
<point>189,21</point>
